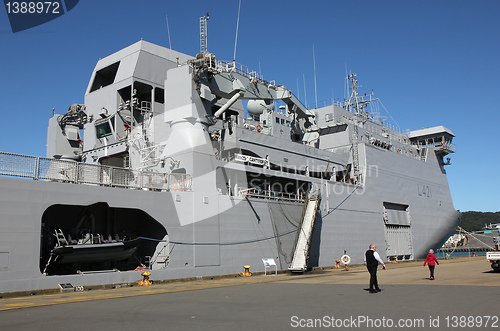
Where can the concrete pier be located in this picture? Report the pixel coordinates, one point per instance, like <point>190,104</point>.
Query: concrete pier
<point>464,294</point>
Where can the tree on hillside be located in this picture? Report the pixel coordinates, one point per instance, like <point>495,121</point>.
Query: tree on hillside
<point>476,220</point>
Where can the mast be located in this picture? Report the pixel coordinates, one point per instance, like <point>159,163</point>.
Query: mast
<point>204,34</point>
<point>356,105</point>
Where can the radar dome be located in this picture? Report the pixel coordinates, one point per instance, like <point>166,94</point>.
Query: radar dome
<point>257,107</point>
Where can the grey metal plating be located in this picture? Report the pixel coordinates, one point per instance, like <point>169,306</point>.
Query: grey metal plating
<point>162,149</point>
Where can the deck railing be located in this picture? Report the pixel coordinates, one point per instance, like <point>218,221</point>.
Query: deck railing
<point>232,66</point>
<point>41,168</point>
<point>265,194</point>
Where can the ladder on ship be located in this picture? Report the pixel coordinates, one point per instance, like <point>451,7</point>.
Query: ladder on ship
<point>303,242</point>
<point>423,154</point>
<point>61,239</point>
<point>355,155</point>
<point>203,34</point>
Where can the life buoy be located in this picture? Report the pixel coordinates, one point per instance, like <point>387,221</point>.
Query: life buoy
<point>259,128</point>
<point>399,151</point>
<point>346,259</point>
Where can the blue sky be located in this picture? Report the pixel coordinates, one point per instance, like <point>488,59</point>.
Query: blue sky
<point>430,62</point>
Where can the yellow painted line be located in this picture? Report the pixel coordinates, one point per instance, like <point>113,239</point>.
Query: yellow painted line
<point>396,275</point>
<point>54,299</point>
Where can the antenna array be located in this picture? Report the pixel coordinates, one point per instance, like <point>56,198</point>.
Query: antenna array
<point>203,34</point>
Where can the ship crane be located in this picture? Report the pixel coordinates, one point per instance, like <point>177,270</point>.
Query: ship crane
<point>233,82</point>
<point>76,116</point>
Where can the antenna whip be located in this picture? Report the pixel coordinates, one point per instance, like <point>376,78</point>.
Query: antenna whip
<point>237,25</point>
<point>168,31</point>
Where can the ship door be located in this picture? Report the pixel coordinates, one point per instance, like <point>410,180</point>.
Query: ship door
<point>398,240</point>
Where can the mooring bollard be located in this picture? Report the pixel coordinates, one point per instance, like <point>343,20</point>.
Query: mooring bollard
<point>145,279</point>
<point>247,271</point>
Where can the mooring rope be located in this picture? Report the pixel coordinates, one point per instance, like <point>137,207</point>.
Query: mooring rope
<point>469,233</point>
<point>341,202</point>
<point>219,244</point>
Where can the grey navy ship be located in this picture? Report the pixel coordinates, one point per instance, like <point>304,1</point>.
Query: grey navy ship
<point>192,166</point>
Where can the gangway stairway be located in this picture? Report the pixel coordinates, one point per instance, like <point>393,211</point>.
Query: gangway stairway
<point>303,242</point>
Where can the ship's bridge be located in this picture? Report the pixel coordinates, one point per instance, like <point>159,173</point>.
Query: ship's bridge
<point>438,137</point>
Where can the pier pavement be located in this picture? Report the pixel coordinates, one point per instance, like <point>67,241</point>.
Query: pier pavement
<point>464,295</point>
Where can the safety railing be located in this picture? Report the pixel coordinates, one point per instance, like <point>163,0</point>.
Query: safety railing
<point>180,182</point>
<point>18,165</point>
<point>445,146</point>
<point>227,66</point>
<point>264,194</point>
<point>40,168</point>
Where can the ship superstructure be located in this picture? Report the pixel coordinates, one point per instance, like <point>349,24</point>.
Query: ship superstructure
<point>164,168</point>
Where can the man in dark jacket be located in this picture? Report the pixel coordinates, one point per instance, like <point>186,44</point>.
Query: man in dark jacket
<point>372,259</point>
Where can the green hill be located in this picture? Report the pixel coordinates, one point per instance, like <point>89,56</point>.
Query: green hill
<point>475,220</point>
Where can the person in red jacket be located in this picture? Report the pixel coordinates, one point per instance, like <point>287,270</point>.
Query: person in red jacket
<point>431,260</point>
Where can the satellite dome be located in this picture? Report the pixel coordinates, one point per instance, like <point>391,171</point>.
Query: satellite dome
<point>257,107</point>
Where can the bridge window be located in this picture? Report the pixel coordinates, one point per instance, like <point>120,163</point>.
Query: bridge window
<point>104,129</point>
<point>105,76</point>
<point>159,95</point>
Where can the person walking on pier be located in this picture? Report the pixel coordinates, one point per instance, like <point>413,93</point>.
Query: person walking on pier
<point>372,259</point>
<point>431,260</point>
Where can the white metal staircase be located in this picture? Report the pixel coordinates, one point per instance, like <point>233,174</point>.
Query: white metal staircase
<point>423,154</point>
<point>301,254</point>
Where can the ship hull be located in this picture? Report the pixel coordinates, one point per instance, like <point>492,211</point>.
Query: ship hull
<point>236,231</point>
